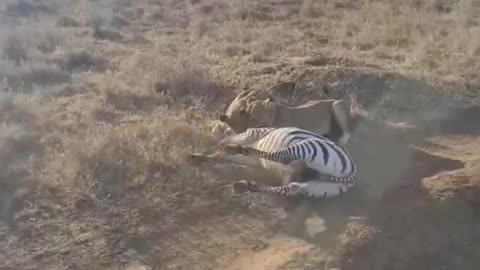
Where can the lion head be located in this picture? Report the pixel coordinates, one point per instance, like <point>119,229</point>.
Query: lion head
<point>236,116</point>
<point>262,113</point>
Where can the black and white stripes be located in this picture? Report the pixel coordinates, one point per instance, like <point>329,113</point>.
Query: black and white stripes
<point>310,189</point>
<point>247,137</point>
<point>319,153</point>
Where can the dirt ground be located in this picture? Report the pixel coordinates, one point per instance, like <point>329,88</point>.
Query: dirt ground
<point>102,101</point>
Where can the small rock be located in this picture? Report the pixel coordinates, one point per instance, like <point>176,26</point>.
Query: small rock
<point>84,237</point>
<point>130,253</point>
<point>315,225</point>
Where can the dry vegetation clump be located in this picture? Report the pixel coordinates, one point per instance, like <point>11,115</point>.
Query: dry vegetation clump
<point>100,30</point>
<point>128,101</point>
<point>357,239</point>
<point>24,43</point>
<point>13,49</point>
<point>118,21</point>
<point>21,151</point>
<point>25,8</point>
<point>192,85</point>
<point>198,26</point>
<point>18,109</point>
<point>67,21</point>
<point>132,156</point>
<point>28,60</point>
<point>186,83</point>
<point>308,9</point>
<point>82,60</point>
<point>44,74</point>
<point>416,38</point>
<point>30,77</point>
<point>16,146</point>
<point>47,42</point>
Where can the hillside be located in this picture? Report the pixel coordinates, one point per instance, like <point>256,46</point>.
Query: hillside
<point>103,101</point>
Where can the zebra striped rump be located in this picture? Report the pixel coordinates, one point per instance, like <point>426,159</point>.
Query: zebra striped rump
<point>291,144</point>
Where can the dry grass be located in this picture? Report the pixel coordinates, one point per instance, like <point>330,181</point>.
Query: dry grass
<point>137,109</point>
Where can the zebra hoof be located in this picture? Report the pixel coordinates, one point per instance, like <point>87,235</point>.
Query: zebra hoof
<point>240,186</point>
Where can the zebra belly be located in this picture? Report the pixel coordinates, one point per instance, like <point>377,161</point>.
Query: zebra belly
<point>320,189</point>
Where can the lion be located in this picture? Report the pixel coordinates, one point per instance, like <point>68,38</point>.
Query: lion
<point>329,117</point>
<point>336,119</point>
<point>286,93</point>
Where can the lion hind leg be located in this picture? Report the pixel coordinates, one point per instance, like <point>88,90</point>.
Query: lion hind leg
<point>342,117</point>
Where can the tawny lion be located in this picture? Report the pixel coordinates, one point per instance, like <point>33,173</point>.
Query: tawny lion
<point>330,117</point>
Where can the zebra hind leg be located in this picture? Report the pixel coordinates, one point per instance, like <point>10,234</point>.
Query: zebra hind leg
<point>244,187</point>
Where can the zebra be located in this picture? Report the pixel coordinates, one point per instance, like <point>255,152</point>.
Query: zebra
<point>291,145</point>
<point>295,147</point>
<point>318,152</point>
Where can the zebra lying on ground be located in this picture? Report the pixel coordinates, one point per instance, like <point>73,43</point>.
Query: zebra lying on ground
<point>318,153</point>
<point>302,150</point>
<point>313,151</point>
